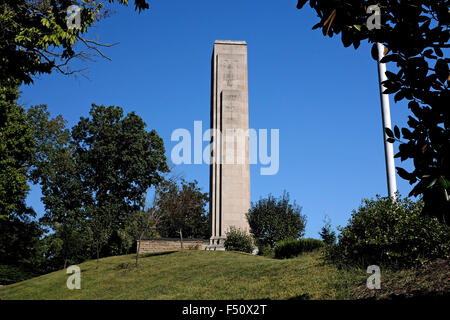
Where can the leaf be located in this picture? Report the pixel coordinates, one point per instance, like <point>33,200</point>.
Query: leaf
<point>404,174</point>
<point>391,89</point>
<point>406,133</point>
<point>301,3</point>
<point>438,51</point>
<point>444,182</point>
<point>389,132</point>
<point>391,76</point>
<point>399,96</point>
<point>317,25</point>
<point>390,140</point>
<point>374,52</point>
<point>432,183</point>
<point>390,58</point>
<point>397,132</point>
<point>442,70</point>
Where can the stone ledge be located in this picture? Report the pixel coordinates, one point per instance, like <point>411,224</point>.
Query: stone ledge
<point>171,244</point>
<point>230,42</point>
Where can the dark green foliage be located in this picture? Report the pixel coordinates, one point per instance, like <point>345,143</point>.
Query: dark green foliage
<point>19,232</point>
<point>275,219</point>
<point>118,161</point>
<point>265,250</point>
<point>238,240</point>
<point>392,234</point>
<point>182,206</point>
<point>69,244</point>
<point>416,34</point>
<point>12,274</point>
<point>291,247</point>
<point>19,237</point>
<point>36,39</point>
<point>327,234</point>
<point>16,150</point>
<point>93,178</point>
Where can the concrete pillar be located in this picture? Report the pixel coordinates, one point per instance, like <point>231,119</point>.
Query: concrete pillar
<point>230,169</point>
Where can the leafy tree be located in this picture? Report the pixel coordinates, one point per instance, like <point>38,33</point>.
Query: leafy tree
<point>54,168</point>
<point>390,233</point>
<point>140,224</point>
<point>93,177</point>
<point>274,219</point>
<point>238,240</point>
<point>19,242</point>
<point>327,234</point>
<point>415,34</point>
<point>37,39</point>
<point>16,150</point>
<point>19,230</point>
<point>68,244</point>
<point>118,160</point>
<point>182,207</point>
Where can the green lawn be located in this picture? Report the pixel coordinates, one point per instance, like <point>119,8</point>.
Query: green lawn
<point>195,275</point>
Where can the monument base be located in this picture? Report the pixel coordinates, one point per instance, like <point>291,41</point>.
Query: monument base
<point>216,244</point>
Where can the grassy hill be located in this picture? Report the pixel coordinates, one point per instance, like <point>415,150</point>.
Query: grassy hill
<point>195,275</point>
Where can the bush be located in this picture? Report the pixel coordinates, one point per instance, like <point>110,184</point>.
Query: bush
<point>392,234</point>
<point>275,219</point>
<point>292,248</point>
<point>265,250</point>
<point>12,274</point>
<point>238,240</point>
<point>327,234</point>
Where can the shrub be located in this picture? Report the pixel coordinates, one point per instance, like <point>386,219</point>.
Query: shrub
<point>12,274</point>
<point>238,240</point>
<point>275,219</point>
<point>390,233</point>
<point>292,248</point>
<point>265,250</point>
<point>327,234</point>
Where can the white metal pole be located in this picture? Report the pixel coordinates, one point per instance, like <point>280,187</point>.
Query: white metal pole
<point>386,117</point>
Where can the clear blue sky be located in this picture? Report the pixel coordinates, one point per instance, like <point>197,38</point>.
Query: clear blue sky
<point>322,97</point>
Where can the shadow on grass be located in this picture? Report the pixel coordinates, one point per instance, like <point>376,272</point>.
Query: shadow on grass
<point>155,254</point>
<point>300,297</point>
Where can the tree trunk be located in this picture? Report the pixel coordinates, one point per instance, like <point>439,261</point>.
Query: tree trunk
<point>138,247</point>
<point>181,240</point>
<point>98,253</point>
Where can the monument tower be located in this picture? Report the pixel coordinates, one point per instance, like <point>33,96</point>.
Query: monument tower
<point>229,169</point>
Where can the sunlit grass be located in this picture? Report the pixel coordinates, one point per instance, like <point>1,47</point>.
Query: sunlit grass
<point>195,275</point>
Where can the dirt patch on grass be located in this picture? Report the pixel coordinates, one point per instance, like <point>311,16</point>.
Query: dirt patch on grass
<point>431,280</point>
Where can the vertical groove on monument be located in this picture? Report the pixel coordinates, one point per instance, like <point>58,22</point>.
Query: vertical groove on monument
<point>230,170</point>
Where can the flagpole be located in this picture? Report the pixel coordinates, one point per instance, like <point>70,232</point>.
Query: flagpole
<point>386,118</point>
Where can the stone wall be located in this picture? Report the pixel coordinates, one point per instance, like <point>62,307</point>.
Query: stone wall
<point>171,244</point>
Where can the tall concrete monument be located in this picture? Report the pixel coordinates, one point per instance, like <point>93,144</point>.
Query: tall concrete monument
<point>229,170</point>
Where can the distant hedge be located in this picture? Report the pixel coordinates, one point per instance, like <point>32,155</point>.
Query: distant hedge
<point>238,240</point>
<point>391,234</point>
<point>13,274</point>
<point>291,248</point>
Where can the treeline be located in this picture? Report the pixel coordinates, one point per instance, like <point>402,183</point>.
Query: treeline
<point>105,184</point>
<point>391,233</point>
